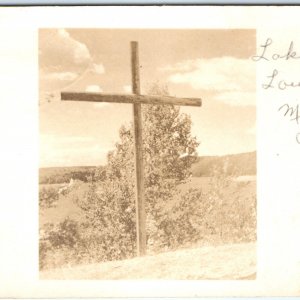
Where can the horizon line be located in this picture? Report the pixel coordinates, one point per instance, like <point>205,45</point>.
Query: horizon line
<point>102,165</point>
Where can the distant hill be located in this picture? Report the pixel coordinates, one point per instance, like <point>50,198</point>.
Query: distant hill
<point>235,164</point>
<point>64,174</point>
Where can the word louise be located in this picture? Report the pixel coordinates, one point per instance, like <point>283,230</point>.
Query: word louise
<point>280,84</point>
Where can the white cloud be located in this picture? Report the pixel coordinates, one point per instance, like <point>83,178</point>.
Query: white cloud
<point>98,68</point>
<point>127,89</point>
<point>221,73</point>
<point>64,76</point>
<point>59,50</point>
<point>63,58</point>
<point>80,51</point>
<point>233,79</point>
<point>93,88</point>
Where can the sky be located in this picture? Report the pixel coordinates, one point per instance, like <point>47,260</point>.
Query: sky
<point>214,65</point>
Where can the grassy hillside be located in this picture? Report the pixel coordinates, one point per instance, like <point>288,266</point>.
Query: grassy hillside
<point>232,261</point>
<point>235,164</point>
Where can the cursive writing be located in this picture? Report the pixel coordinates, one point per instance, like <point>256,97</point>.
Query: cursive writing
<point>276,80</point>
<point>265,54</point>
<point>281,84</point>
<point>298,137</point>
<point>292,112</point>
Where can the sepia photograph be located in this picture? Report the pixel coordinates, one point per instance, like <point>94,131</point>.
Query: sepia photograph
<point>147,154</point>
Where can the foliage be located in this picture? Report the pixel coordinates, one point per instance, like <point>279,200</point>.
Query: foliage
<point>62,237</point>
<point>110,222</point>
<point>166,135</point>
<point>220,214</point>
<point>48,197</point>
<point>232,217</point>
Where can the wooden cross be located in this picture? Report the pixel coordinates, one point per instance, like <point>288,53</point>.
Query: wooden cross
<point>136,99</point>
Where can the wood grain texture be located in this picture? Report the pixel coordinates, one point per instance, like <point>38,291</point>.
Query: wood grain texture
<point>130,98</point>
<point>139,165</point>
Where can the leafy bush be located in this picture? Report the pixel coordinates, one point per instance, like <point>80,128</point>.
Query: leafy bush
<point>214,216</point>
<point>48,197</point>
<point>233,217</point>
<point>109,229</point>
<point>58,243</point>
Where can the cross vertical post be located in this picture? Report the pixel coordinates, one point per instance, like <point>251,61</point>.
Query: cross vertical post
<point>139,168</point>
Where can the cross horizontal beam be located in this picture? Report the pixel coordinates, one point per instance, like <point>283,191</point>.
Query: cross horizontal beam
<point>130,98</point>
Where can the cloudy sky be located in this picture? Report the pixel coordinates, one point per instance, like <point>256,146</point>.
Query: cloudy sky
<point>213,65</point>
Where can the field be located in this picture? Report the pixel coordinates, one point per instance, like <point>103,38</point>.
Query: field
<point>62,209</point>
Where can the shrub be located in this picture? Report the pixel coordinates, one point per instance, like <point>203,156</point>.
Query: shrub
<point>59,244</point>
<point>48,197</point>
<point>109,229</point>
<point>221,214</point>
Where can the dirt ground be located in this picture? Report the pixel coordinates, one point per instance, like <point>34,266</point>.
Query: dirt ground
<point>226,262</point>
